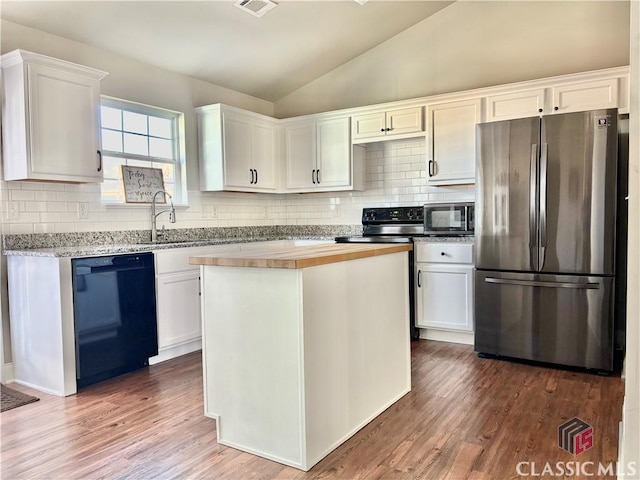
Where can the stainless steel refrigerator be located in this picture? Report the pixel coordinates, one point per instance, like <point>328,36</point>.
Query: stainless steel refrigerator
<point>545,238</point>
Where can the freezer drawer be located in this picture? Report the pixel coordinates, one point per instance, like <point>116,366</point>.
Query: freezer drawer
<point>561,319</point>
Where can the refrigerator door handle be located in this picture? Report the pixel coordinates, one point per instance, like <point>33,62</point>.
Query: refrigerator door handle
<point>533,232</point>
<point>543,202</point>
<point>533,283</point>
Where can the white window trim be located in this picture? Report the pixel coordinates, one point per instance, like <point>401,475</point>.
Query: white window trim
<point>180,197</point>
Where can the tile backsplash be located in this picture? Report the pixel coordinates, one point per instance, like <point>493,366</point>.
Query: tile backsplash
<point>395,175</point>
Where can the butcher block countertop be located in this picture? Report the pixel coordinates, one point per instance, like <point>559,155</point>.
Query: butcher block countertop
<point>298,257</point>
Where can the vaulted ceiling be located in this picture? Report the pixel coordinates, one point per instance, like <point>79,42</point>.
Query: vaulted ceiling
<point>268,57</point>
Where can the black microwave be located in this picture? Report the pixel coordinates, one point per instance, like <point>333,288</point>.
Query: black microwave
<point>448,219</point>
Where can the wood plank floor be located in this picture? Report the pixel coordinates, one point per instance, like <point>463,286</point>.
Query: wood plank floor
<point>465,417</point>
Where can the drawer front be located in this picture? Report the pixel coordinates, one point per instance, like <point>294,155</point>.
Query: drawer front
<point>444,252</point>
<point>174,260</point>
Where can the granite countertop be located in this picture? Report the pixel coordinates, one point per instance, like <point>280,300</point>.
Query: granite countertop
<point>90,250</point>
<point>300,256</point>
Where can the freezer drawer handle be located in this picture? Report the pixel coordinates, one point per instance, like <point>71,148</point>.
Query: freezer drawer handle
<point>527,283</point>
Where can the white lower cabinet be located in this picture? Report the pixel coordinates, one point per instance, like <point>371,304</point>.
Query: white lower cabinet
<point>178,300</point>
<point>444,291</point>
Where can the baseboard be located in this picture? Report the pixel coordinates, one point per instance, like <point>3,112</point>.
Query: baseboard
<point>8,375</point>
<point>465,338</point>
<point>177,350</point>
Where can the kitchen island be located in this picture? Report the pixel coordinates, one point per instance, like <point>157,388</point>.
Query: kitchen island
<point>303,346</point>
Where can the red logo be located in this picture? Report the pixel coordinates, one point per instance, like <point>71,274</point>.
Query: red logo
<point>575,436</point>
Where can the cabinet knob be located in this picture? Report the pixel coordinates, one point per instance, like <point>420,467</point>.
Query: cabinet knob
<point>388,129</point>
<point>442,253</point>
<point>539,110</point>
<point>382,130</point>
<point>556,108</point>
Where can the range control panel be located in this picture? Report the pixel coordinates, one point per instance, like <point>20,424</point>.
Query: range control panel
<point>393,215</point>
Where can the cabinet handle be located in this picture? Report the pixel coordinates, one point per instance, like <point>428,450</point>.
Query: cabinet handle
<point>318,176</point>
<point>419,274</point>
<point>431,164</point>
<point>99,160</point>
<point>256,182</point>
<point>251,173</point>
<point>313,178</point>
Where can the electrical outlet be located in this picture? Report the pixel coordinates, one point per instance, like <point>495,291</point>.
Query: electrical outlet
<point>83,210</point>
<point>13,211</point>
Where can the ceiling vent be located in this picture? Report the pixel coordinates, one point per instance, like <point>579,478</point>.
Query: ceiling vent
<point>257,8</point>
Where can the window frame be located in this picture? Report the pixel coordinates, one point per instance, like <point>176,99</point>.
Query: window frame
<point>178,138</point>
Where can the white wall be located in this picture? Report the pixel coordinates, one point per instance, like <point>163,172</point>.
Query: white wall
<point>473,44</point>
<point>395,175</point>
<point>630,445</point>
<point>135,81</point>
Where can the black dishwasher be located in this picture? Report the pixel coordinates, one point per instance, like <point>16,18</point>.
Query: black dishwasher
<point>114,307</point>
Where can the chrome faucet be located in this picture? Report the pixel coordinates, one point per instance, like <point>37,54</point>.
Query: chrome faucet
<point>154,215</point>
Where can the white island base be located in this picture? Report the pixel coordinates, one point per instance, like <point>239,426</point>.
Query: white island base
<point>297,360</point>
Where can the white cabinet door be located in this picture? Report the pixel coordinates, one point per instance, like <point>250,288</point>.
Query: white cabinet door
<point>237,150</point>
<point>333,161</point>
<point>400,122</point>
<point>52,108</point>
<point>452,142</point>
<point>563,98</point>
<point>368,125</point>
<point>300,140</point>
<point>404,120</point>
<point>522,104</point>
<point>178,308</point>
<point>444,296</point>
<point>263,148</point>
<point>582,96</point>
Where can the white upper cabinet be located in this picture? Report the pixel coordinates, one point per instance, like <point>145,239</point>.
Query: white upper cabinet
<point>319,156</point>
<point>378,126</point>
<point>561,97</point>
<point>451,142</point>
<point>238,150</point>
<point>523,104</point>
<point>51,119</point>
<point>581,96</point>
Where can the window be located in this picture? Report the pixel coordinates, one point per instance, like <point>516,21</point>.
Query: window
<point>144,136</point>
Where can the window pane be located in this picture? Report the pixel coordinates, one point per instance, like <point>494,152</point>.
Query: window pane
<point>111,118</point>
<point>111,140</point>
<point>135,122</point>
<point>160,148</point>
<point>160,127</point>
<point>111,166</point>
<point>136,144</point>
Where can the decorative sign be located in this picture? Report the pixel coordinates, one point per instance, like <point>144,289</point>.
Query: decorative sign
<point>141,184</point>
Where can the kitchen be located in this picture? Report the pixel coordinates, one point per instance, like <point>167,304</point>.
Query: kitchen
<point>129,79</point>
